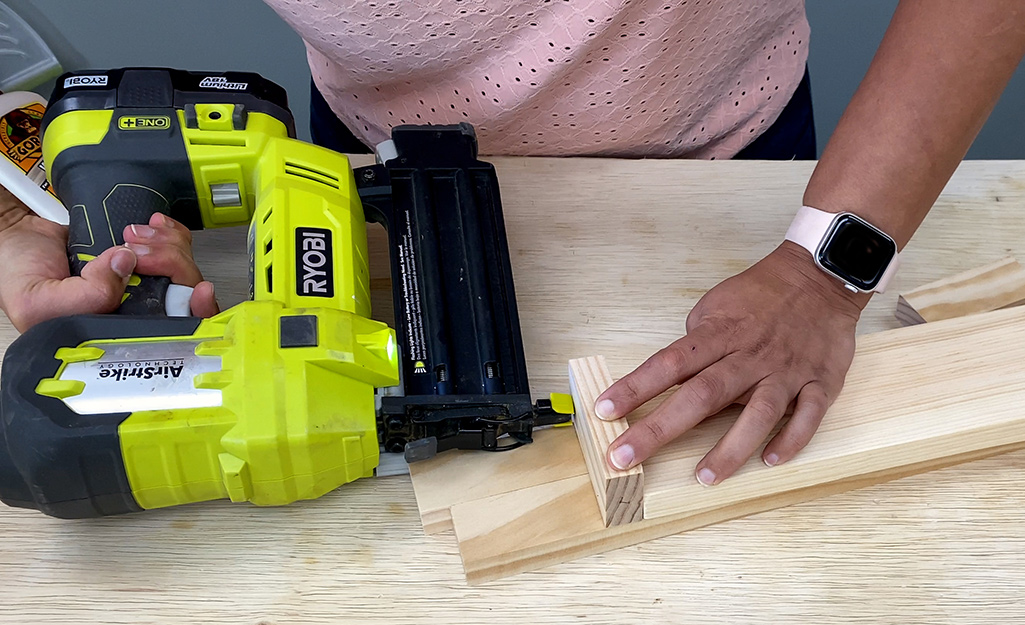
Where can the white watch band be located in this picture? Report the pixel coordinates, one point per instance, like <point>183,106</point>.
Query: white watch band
<point>809,228</point>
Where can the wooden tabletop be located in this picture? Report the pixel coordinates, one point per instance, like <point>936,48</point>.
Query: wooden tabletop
<point>588,240</point>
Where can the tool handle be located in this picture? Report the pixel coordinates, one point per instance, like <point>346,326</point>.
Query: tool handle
<point>98,213</point>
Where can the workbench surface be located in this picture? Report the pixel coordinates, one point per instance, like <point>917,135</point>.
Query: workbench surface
<point>589,241</point>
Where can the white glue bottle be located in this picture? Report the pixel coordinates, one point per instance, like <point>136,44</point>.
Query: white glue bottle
<point>22,171</point>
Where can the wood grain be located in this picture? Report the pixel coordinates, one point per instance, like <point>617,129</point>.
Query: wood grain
<point>643,240</point>
<point>912,395</point>
<point>463,476</point>
<point>990,287</point>
<point>915,399</point>
<point>548,524</point>
<point>620,493</point>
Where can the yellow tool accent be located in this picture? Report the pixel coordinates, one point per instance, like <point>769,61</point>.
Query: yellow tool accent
<point>294,423</point>
<point>59,388</point>
<point>215,116</point>
<point>562,403</point>
<point>133,280</point>
<point>297,418</point>
<point>82,128</point>
<point>219,154</point>
<point>312,186</point>
<point>78,354</point>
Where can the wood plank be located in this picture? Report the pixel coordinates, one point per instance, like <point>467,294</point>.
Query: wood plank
<point>551,523</point>
<point>982,289</point>
<point>915,399</point>
<point>461,476</point>
<point>946,547</point>
<point>911,394</point>
<point>620,493</point>
<point>570,263</point>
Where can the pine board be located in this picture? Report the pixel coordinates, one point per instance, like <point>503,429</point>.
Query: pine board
<point>911,395</point>
<point>618,493</point>
<point>990,287</point>
<point>608,257</point>
<point>915,399</point>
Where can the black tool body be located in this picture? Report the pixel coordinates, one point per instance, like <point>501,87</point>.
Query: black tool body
<point>464,376</point>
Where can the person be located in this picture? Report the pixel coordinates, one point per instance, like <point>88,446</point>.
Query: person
<point>640,78</point>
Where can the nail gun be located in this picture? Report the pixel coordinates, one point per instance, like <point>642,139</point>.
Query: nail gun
<point>292,393</point>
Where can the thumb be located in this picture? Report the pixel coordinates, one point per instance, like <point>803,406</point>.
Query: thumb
<point>203,302</point>
<point>97,290</point>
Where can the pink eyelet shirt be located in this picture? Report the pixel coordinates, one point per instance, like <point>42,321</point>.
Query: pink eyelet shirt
<point>628,78</point>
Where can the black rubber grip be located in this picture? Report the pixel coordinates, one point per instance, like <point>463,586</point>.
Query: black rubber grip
<point>98,216</point>
<point>55,460</point>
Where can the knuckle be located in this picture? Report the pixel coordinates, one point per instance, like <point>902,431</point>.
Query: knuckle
<point>108,293</point>
<point>795,439</point>
<point>707,389</point>
<point>179,235</point>
<point>724,461</point>
<point>656,430</point>
<point>764,412</point>
<point>181,263</point>
<point>816,397</point>
<point>626,388</point>
<point>759,346</point>
<point>771,349</point>
<point>720,325</point>
<point>183,258</point>
<point>672,359</point>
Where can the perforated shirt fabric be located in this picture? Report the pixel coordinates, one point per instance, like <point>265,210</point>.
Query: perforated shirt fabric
<point>626,78</point>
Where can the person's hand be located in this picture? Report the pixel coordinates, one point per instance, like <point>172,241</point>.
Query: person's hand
<point>780,334</point>
<point>35,281</point>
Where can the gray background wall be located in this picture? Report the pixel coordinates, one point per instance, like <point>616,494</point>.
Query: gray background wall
<point>246,34</point>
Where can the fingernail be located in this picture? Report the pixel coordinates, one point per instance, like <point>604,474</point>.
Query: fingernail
<point>706,477</point>
<point>123,262</point>
<point>161,219</point>
<point>140,250</point>
<point>771,460</point>
<point>142,231</point>
<point>622,456</point>
<point>605,409</point>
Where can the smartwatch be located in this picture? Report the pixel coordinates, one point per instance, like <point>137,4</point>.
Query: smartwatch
<point>846,247</point>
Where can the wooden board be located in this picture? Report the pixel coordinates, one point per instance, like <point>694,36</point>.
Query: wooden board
<point>990,287</point>
<point>619,493</point>
<point>915,399</point>
<point>912,395</point>
<point>552,523</point>
<point>608,257</point>
<point>465,476</point>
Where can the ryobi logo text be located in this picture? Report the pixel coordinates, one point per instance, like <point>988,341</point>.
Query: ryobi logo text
<point>144,122</point>
<point>314,265</point>
<point>83,81</point>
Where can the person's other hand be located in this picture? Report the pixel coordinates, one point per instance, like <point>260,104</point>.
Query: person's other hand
<point>35,281</point>
<point>780,334</point>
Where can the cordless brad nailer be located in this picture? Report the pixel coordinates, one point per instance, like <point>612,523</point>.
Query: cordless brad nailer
<point>290,394</point>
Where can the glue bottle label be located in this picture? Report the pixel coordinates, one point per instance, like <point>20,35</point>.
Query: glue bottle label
<point>20,142</point>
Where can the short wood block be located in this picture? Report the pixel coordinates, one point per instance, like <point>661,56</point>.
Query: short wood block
<point>990,287</point>
<point>620,494</point>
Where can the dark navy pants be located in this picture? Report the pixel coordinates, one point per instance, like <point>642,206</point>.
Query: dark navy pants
<point>791,136</point>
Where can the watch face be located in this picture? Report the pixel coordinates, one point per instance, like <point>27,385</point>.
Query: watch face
<point>856,252</point>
